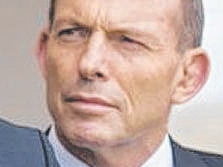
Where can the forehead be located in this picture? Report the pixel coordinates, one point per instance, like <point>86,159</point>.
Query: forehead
<point>118,11</point>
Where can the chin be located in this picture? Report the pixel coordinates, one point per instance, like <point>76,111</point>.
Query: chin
<point>92,138</point>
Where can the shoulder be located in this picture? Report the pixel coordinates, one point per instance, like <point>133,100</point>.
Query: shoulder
<point>16,137</point>
<point>189,156</point>
<point>22,146</point>
<point>10,130</point>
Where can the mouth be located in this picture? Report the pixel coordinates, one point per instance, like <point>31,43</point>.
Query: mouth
<point>90,104</point>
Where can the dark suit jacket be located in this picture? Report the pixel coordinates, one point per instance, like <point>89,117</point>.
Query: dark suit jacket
<point>184,157</point>
<point>24,147</point>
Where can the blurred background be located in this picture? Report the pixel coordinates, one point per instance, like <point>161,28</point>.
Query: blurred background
<point>22,93</point>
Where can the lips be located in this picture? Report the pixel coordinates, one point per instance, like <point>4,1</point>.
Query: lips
<point>89,103</point>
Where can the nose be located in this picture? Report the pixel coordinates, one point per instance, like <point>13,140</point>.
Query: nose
<point>93,65</point>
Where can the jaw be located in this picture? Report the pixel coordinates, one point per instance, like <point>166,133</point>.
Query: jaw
<point>139,149</point>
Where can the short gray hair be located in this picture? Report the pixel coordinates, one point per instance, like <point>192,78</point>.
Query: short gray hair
<point>193,22</point>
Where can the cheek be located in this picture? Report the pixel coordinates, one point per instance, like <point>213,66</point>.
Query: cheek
<point>61,72</point>
<point>148,81</point>
<point>148,89</point>
<point>61,66</point>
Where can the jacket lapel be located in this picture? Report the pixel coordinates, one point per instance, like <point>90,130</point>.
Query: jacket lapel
<point>183,157</point>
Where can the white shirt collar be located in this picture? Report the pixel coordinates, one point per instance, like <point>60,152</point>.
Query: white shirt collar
<point>161,158</point>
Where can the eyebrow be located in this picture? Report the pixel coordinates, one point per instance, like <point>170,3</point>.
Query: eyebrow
<point>70,21</point>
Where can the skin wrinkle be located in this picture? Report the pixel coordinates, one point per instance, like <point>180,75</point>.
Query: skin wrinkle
<point>96,18</point>
<point>153,43</point>
<point>191,21</point>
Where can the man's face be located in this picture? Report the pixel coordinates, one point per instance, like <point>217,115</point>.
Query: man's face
<point>110,68</point>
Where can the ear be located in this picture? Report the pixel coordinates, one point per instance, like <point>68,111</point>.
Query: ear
<point>193,73</point>
<point>41,51</point>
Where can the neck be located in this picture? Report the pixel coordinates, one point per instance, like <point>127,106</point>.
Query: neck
<point>135,153</point>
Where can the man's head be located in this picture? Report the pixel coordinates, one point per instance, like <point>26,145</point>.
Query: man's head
<point>113,68</point>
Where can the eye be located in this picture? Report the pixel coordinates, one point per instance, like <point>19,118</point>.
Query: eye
<point>124,38</point>
<point>129,43</point>
<point>73,34</point>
